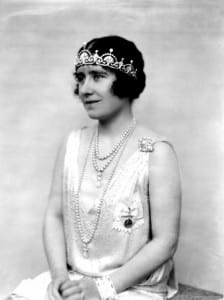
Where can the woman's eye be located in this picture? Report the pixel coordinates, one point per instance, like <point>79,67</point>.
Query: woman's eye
<point>97,77</point>
<point>79,77</point>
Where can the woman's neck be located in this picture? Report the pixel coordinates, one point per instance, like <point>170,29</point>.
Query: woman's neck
<point>115,125</point>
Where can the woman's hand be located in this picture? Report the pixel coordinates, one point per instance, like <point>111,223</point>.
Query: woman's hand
<point>84,289</point>
<point>54,287</point>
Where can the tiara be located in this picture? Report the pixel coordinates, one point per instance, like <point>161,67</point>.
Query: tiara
<point>85,57</point>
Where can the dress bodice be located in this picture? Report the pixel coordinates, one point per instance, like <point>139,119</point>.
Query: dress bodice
<point>124,224</point>
<point>123,228</point>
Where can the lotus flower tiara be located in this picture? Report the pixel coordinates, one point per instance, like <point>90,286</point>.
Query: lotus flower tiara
<point>85,57</point>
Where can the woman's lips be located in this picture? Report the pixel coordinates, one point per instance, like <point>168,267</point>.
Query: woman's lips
<point>92,101</point>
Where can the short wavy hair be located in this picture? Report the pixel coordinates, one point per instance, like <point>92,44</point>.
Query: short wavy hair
<point>124,85</point>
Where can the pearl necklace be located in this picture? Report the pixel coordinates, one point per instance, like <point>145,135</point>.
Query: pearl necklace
<point>86,240</point>
<point>95,153</point>
<point>116,147</point>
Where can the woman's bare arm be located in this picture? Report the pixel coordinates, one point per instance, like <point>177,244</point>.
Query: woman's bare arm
<point>165,202</point>
<point>53,231</point>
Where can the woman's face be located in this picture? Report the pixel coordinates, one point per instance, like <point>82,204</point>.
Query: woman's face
<point>94,86</point>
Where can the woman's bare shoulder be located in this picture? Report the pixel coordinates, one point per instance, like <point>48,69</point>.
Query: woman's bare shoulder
<point>162,148</point>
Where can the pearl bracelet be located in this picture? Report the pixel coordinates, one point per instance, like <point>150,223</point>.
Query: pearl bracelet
<point>106,288</point>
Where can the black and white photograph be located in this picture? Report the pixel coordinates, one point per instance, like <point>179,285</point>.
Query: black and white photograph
<point>111,149</point>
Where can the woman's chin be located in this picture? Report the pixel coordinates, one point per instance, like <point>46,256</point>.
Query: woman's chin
<point>94,116</point>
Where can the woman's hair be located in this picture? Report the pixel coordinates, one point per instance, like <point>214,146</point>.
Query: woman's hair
<point>127,84</point>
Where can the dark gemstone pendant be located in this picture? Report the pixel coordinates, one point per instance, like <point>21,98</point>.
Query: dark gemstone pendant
<point>128,223</point>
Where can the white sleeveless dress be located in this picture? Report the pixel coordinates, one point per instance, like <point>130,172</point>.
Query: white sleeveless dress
<point>123,229</point>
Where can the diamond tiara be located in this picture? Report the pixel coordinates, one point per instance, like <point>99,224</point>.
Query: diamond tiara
<point>85,57</point>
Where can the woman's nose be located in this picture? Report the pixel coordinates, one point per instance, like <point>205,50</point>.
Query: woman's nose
<point>86,87</point>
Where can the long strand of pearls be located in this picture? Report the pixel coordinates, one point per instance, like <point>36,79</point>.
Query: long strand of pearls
<point>111,155</point>
<point>86,239</point>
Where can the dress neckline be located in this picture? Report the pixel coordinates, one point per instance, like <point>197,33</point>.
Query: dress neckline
<point>120,168</point>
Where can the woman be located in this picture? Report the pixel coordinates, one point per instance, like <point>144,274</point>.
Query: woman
<point>112,223</point>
